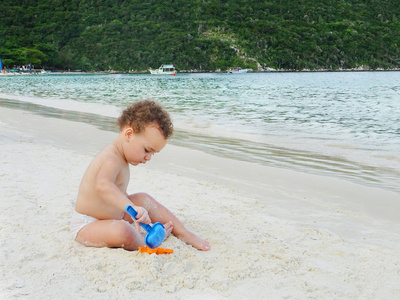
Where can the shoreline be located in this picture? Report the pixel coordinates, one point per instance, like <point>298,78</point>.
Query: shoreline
<point>235,148</point>
<point>274,233</point>
<point>221,170</point>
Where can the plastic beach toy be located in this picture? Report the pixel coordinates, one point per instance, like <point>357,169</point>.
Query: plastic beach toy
<point>155,234</point>
<point>157,251</point>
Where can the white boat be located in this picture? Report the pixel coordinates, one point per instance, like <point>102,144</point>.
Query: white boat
<point>236,70</point>
<point>164,70</point>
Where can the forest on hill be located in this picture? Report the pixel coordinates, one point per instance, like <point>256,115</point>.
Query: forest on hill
<point>202,35</point>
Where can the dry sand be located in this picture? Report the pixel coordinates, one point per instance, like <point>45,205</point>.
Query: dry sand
<point>275,233</point>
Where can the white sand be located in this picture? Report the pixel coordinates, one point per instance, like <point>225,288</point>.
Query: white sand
<point>275,234</point>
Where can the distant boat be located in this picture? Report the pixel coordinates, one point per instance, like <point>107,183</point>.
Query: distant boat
<point>164,70</point>
<point>236,70</point>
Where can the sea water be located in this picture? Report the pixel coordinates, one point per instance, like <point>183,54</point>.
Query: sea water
<point>344,124</point>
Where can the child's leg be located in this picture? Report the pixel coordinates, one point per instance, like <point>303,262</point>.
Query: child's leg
<point>110,233</point>
<point>159,213</point>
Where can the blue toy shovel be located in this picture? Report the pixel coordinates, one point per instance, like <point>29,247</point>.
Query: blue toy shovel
<point>155,234</point>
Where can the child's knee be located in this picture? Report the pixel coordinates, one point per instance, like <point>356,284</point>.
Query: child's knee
<point>141,199</point>
<point>143,196</point>
<point>125,232</point>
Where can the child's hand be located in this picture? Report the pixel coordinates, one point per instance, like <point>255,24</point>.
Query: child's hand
<point>141,217</point>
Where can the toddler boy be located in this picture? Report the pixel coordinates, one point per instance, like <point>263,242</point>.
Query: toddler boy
<point>100,219</point>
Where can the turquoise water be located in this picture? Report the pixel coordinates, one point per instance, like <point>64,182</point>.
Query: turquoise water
<point>340,124</point>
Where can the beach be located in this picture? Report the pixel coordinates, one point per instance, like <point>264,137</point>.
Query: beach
<point>275,233</point>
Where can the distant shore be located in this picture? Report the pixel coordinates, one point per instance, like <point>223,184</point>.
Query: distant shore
<point>72,72</point>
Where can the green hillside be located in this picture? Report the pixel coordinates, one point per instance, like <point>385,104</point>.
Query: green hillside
<point>203,35</point>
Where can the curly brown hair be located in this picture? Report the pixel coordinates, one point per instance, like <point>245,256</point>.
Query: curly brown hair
<point>144,113</point>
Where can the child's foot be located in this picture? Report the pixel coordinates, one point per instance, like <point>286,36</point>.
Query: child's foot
<point>195,241</point>
<point>168,229</point>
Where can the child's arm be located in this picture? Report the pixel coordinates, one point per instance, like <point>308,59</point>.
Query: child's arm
<point>106,187</point>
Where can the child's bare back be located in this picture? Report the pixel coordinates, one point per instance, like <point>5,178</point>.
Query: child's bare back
<point>90,200</point>
<point>100,219</point>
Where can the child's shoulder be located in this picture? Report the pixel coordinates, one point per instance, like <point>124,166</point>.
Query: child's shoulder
<point>109,154</point>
